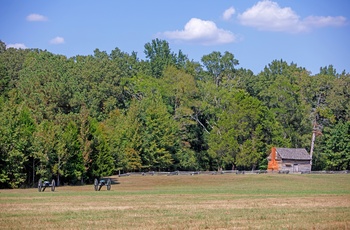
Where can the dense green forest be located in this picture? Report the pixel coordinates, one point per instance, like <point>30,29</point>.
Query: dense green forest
<point>74,119</point>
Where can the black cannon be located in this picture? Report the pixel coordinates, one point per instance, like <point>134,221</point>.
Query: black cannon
<point>43,185</point>
<point>98,184</point>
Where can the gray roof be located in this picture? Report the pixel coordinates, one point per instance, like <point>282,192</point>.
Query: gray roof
<point>293,154</point>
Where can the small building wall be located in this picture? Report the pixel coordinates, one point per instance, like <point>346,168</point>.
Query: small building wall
<point>295,165</point>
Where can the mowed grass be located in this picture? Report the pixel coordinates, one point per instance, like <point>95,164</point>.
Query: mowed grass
<point>229,201</point>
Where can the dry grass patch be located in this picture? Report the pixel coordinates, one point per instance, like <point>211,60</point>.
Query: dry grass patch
<point>186,202</point>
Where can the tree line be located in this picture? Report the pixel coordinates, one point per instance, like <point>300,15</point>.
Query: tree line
<point>74,119</point>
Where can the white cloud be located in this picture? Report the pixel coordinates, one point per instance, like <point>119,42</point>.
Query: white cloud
<point>16,46</point>
<point>202,32</point>
<point>57,40</point>
<point>228,13</point>
<point>320,21</point>
<point>36,18</point>
<point>268,15</point>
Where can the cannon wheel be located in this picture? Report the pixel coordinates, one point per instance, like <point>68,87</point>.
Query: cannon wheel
<point>96,184</point>
<point>40,185</point>
<point>53,185</point>
<point>109,184</point>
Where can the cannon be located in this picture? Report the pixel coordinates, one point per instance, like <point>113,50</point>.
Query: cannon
<point>43,185</point>
<point>99,184</point>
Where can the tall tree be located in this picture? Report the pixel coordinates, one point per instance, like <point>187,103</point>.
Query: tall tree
<point>125,138</point>
<point>45,85</point>
<point>337,146</point>
<point>69,162</point>
<point>180,92</point>
<point>11,63</point>
<point>102,162</point>
<point>244,131</point>
<point>44,149</point>
<point>159,133</point>
<point>16,129</point>
<point>2,47</point>
<point>338,100</point>
<point>277,87</point>
<point>220,67</point>
<point>160,56</point>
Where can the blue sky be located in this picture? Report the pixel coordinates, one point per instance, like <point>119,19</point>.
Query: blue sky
<point>312,33</point>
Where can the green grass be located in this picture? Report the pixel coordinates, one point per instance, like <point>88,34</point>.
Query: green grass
<point>229,201</point>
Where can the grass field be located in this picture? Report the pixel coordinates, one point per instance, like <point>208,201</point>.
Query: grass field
<point>229,201</point>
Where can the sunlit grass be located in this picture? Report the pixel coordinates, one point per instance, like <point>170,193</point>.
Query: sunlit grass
<point>265,201</point>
